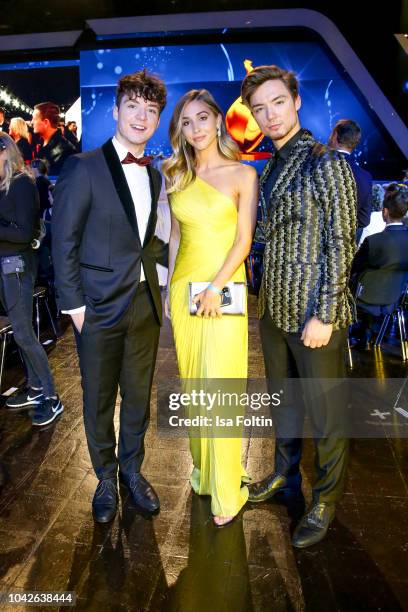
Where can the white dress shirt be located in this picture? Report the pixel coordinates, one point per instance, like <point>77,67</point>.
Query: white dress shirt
<point>138,182</point>
<point>376,225</point>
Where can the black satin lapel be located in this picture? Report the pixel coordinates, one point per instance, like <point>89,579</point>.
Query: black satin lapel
<point>155,185</point>
<point>120,182</point>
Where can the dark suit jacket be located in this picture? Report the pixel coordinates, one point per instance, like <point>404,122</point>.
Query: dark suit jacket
<point>309,227</point>
<point>19,215</point>
<point>56,152</point>
<point>364,182</point>
<point>381,265</point>
<point>97,252</point>
<point>25,149</point>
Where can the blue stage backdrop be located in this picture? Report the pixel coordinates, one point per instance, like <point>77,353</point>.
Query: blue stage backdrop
<point>327,94</point>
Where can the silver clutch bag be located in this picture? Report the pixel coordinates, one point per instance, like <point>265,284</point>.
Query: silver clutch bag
<point>233,299</point>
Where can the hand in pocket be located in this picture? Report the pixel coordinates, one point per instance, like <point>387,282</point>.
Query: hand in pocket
<point>78,320</point>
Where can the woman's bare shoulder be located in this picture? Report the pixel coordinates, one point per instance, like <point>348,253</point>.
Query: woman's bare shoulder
<point>240,170</point>
<point>244,173</point>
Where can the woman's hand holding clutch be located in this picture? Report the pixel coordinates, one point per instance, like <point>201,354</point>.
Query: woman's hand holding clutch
<point>208,303</point>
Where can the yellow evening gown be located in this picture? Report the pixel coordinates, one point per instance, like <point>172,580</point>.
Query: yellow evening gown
<point>209,348</point>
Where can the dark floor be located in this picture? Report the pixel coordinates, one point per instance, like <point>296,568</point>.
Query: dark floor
<point>178,560</point>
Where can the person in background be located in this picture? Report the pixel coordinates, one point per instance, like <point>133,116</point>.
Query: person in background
<point>377,222</point>
<point>34,139</point>
<point>55,148</point>
<point>344,138</point>
<point>30,134</point>
<point>70,133</point>
<point>405,182</point>
<point>4,126</point>
<point>380,267</point>
<point>19,222</point>
<point>19,132</point>
<point>44,185</point>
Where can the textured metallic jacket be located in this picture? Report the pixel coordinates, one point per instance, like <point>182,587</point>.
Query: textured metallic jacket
<point>309,229</point>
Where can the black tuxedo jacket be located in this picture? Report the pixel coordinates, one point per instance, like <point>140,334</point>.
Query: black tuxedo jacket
<point>381,265</point>
<point>364,182</point>
<point>97,251</point>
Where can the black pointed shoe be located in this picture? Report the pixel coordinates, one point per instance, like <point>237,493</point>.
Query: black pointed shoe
<point>273,484</point>
<point>105,500</point>
<point>314,525</point>
<point>142,492</point>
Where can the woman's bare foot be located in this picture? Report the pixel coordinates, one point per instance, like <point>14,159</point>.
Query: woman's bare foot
<point>221,521</point>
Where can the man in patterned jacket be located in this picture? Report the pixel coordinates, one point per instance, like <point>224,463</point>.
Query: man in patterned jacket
<point>308,201</point>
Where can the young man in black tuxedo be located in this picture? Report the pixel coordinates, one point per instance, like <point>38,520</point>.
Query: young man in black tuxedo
<point>105,254</point>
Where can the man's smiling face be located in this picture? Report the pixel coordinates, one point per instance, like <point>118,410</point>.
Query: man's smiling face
<point>137,120</point>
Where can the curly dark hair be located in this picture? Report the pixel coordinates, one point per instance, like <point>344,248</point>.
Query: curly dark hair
<point>143,84</point>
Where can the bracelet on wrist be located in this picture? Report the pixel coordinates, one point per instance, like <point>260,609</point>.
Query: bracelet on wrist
<point>212,287</point>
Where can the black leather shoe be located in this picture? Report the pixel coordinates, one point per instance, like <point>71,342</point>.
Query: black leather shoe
<point>105,500</point>
<point>273,484</point>
<point>143,494</point>
<point>314,525</point>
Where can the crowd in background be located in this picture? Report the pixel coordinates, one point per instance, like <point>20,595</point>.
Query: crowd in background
<point>45,136</point>
<point>44,142</point>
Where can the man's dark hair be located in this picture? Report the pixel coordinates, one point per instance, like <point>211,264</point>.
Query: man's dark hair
<point>348,133</point>
<point>49,111</point>
<point>261,74</point>
<point>396,200</point>
<point>2,110</point>
<point>142,84</point>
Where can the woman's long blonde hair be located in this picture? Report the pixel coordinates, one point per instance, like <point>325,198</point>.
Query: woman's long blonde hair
<point>179,169</point>
<point>13,163</point>
<point>19,126</point>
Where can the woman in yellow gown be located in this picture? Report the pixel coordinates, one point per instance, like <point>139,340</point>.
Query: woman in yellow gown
<point>213,201</point>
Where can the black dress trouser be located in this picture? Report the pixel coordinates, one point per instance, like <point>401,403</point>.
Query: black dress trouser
<point>286,357</point>
<point>122,356</point>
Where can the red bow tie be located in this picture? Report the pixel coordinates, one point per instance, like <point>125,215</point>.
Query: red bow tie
<point>140,161</point>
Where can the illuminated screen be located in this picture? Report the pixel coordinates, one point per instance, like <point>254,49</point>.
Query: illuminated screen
<point>327,94</point>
